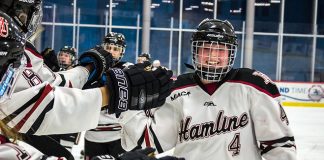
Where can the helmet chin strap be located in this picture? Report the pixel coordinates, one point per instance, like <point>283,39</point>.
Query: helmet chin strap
<point>65,66</point>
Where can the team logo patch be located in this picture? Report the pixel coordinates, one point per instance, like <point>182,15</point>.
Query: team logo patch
<point>177,95</point>
<point>4,31</point>
<point>266,79</point>
<point>215,36</point>
<point>210,103</point>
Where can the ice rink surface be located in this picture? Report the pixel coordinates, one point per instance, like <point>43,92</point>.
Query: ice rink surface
<point>307,124</point>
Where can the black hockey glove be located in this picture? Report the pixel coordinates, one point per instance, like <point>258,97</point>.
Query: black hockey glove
<point>100,59</point>
<point>141,154</point>
<point>136,89</point>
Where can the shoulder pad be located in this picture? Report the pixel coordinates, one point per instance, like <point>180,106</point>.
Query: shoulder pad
<point>255,79</point>
<point>32,47</point>
<point>184,80</point>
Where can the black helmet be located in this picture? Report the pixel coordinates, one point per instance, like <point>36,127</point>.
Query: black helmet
<point>117,41</point>
<point>70,50</point>
<point>12,43</point>
<point>115,38</point>
<point>213,34</point>
<point>26,13</point>
<point>146,55</point>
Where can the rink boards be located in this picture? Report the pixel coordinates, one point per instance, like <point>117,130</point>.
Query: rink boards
<point>301,94</point>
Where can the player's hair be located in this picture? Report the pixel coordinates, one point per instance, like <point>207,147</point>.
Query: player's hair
<point>8,132</point>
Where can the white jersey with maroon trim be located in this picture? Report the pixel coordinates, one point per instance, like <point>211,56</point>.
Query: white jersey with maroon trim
<point>241,120</point>
<point>21,151</point>
<point>108,128</point>
<point>44,102</point>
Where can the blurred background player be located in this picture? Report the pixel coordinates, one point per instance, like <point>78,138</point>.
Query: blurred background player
<point>144,57</point>
<point>67,58</point>
<point>105,139</point>
<point>156,63</point>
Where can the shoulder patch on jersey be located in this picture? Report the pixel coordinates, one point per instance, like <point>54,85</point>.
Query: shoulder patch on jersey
<point>255,79</point>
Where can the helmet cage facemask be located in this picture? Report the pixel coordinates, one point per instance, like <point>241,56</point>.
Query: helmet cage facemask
<point>62,64</point>
<point>210,71</point>
<point>115,47</point>
<point>28,16</point>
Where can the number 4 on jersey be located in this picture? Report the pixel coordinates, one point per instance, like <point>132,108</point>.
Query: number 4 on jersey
<point>235,145</point>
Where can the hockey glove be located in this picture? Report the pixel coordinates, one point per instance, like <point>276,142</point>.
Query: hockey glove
<point>141,154</point>
<point>100,59</point>
<point>136,89</point>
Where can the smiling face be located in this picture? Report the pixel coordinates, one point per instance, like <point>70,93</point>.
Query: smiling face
<point>212,60</point>
<point>212,56</point>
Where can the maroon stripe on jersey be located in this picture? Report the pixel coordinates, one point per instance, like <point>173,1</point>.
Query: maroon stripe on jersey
<point>110,127</point>
<point>3,139</point>
<point>28,61</point>
<point>70,84</point>
<point>285,142</point>
<point>107,129</point>
<point>185,86</point>
<point>34,53</point>
<point>256,87</point>
<point>21,109</point>
<point>47,90</point>
<point>147,138</point>
<point>40,118</point>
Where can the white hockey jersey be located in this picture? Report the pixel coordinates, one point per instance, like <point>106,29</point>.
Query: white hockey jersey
<point>241,120</point>
<point>44,102</point>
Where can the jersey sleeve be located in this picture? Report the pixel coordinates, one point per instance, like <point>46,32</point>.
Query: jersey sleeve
<point>46,109</point>
<point>271,125</point>
<point>154,128</point>
<point>36,72</point>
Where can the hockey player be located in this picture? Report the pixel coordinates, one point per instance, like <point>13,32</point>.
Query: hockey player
<point>144,57</point>
<point>35,100</point>
<point>66,58</point>
<point>105,138</point>
<point>59,145</point>
<point>217,112</point>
